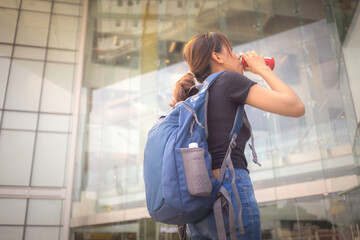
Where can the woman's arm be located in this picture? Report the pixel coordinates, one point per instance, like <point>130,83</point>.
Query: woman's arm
<point>280,99</point>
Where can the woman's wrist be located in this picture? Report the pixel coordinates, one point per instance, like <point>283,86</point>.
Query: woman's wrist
<point>264,71</point>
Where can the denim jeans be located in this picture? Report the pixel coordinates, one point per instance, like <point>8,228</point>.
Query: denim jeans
<point>206,228</point>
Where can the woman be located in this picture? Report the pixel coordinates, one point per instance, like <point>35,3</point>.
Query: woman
<point>210,53</point>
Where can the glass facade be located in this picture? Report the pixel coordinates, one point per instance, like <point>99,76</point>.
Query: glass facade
<point>38,58</point>
<point>107,85</point>
<point>308,184</point>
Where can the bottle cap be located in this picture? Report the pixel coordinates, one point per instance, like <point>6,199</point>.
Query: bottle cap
<point>193,145</point>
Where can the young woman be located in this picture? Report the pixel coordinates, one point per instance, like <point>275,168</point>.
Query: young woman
<point>210,53</point>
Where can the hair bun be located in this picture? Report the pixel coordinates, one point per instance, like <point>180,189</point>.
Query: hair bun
<point>191,74</point>
<point>184,88</point>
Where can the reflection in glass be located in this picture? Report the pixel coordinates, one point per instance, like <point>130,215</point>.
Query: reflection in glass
<point>136,56</point>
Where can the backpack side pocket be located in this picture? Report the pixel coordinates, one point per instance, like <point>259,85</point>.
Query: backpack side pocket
<point>196,172</point>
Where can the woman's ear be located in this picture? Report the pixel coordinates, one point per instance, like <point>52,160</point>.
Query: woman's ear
<point>217,58</point>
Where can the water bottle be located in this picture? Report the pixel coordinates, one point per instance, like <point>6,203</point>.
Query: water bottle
<point>193,145</point>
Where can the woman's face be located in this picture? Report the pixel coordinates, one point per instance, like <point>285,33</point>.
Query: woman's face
<point>231,60</point>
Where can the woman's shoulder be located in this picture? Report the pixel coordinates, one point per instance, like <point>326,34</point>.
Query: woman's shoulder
<point>232,74</point>
<point>232,77</point>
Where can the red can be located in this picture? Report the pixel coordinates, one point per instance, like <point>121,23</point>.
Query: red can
<point>270,61</point>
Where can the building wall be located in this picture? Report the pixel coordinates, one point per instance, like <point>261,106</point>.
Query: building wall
<point>76,105</point>
<point>39,43</point>
<point>308,181</point>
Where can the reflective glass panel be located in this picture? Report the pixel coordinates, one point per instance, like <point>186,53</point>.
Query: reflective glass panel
<point>12,212</point>
<point>63,32</point>
<point>29,53</point>
<point>16,149</point>
<point>30,23</point>
<point>61,56</point>
<point>24,85</point>
<point>53,122</point>
<point>42,233</point>
<point>8,23</point>
<point>5,50</point>
<point>14,233</point>
<point>10,3</point>
<point>4,72</point>
<point>44,212</point>
<point>68,9</point>
<point>19,120</point>
<point>135,57</point>
<point>58,87</point>
<point>50,160</point>
<point>36,5</point>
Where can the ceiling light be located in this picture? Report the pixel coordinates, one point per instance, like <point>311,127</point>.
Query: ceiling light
<point>172,46</point>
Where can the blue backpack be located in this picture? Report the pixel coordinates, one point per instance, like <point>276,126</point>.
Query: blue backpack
<point>178,183</point>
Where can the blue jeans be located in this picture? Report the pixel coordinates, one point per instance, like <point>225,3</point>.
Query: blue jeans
<point>206,228</point>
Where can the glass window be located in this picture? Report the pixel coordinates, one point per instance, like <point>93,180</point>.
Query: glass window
<point>36,5</point>
<point>61,56</point>
<point>31,23</point>
<point>42,233</point>
<point>5,50</point>
<point>4,71</point>
<point>53,122</point>
<point>13,233</point>
<point>50,160</point>
<point>10,3</point>
<point>351,51</point>
<point>44,212</point>
<point>8,20</point>
<point>68,9</point>
<point>70,1</point>
<point>29,53</point>
<point>135,62</point>
<point>16,149</point>
<point>58,86</point>
<point>64,32</point>
<point>12,211</point>
<point>19,120</point>
<point>24,85</point>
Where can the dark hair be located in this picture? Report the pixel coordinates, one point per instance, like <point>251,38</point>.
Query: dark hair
<point>198,54</point>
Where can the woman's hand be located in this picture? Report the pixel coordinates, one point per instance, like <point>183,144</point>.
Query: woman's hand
<point>256,64</point>
<point>280,99</point>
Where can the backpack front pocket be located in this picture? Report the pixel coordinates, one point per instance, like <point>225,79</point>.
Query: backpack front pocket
<point>196,172</point>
